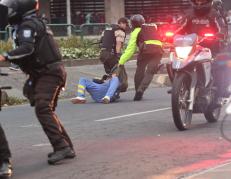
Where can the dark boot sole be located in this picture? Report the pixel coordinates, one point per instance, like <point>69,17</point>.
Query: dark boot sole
<point>61,161</point>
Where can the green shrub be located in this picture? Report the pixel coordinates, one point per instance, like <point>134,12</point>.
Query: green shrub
<point>71,48</point>
<point>16,101</point>
<point>74,48</point>
<point>5,45</point>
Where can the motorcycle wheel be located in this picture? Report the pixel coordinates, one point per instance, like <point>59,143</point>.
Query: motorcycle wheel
<point>180,95</point>
<point>212,114</point>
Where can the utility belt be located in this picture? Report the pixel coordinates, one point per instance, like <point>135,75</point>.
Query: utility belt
<point>151,47</point>
<point>112,51</point>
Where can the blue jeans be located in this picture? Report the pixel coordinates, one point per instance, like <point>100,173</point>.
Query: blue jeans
<point>97,91</point>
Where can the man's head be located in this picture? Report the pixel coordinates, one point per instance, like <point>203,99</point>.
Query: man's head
<point>202,6</point>
<point>137,20</point>
<point>123,23</point>
<point>17,9</point>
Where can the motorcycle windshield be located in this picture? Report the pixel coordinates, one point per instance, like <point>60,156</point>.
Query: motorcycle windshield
<point>185,40</point>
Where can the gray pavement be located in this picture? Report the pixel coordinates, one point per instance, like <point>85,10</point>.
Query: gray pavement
<point>16,78</point>
<point>222,171</point>
<point>123,140</point>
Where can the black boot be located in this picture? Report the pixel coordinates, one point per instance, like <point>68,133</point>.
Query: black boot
<point>69,156</point>
<point>169,91</point>
<point>57,156</point>
<point>138,96</point>
<point>5,169</point>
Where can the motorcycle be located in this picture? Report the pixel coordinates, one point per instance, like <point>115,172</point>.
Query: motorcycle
<point>193,88</point>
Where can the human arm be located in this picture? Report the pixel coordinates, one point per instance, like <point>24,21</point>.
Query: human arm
<point>25,43</point>
<point>131,48</point>
<point>120,38</point>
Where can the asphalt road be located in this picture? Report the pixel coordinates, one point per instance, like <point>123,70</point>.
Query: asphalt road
<point>124,140</point>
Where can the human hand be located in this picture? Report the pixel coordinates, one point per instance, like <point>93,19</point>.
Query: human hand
<point>2,58</point>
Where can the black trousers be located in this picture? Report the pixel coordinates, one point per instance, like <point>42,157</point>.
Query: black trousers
<point>147,66</point>
<point>45,93</point>
<point>222,80</point>
<point>4,147</point>
<point>109,60</point>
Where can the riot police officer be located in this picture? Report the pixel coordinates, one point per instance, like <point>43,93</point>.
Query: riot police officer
<point>147,38</point>
<point>38,55</point>
<point>204,18</point>
<point>5,155</point>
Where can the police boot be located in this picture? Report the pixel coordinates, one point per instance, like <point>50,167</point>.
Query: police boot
<point>72,155</point>
<point>60,155</point>
<point>5,169</point>
<point>138,96</point>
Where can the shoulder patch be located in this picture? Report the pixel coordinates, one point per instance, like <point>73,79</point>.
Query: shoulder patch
<point>27,33</point>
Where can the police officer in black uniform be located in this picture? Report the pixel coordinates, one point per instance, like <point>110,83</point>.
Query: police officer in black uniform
<point>5,155</point>
<point>112,42</point>
<point>204,18</point>
<point>38,55</point>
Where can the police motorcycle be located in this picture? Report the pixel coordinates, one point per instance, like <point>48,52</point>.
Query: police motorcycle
<point>193,89</point>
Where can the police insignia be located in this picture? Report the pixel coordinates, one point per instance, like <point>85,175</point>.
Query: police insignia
<point>27,33</point>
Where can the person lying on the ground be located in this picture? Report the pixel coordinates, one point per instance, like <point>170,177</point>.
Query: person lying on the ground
<point>100,93</point>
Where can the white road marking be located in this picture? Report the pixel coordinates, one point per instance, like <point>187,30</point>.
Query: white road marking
<point>30,125</point>
<point>208,170</point>
<point>41,145</point>
<point>37,125</point>
<point>133,114</point>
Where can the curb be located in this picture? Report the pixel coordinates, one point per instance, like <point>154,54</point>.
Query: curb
<point>68,63</point>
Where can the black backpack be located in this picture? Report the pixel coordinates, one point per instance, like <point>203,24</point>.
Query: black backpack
<point>148,38</point>
<point>108,41</point>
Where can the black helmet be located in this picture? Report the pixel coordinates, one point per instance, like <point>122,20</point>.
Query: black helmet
<point>202,5</point>
<point>218,4</point>
<point>137,20</point>
<point>19,8</point>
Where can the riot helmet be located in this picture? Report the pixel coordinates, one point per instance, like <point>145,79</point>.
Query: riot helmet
<point>137,20</point>
<point>218,2</point>
<point>202,6</point>
<point>17,9</point>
